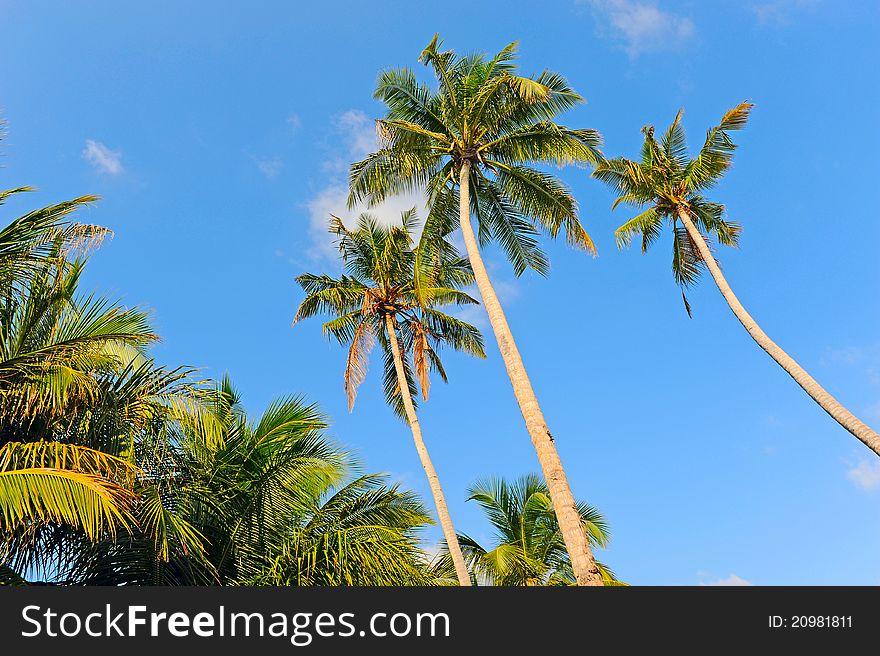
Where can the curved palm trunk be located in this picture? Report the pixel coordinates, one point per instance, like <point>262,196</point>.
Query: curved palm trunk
<point>827,402</point>
<point>461,570</point>
<point>570,524</point>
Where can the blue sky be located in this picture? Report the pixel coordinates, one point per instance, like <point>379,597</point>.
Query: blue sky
<point>218,135</point>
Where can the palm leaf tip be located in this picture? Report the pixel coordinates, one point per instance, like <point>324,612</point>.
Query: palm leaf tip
<point>737,117</point>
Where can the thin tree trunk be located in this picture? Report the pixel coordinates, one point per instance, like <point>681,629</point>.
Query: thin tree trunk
<point>461,570</point>
<point>827,402</point>
<point>570,525</point>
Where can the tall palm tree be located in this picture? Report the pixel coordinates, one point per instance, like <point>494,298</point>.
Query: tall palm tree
<point>671,184</point>
<point>393,292</point>
<point>472,144</point>
<point>528,547</point>
<point>114,470</point>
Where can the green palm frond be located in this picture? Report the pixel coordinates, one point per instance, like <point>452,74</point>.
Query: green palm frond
<point>50,482</point>
<point>528,546</point>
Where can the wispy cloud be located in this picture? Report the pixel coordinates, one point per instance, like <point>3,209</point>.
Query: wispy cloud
<point>865,475</point>
<point>843,355</point>
<point>269,166</point>
<point>359,131</point>
<point>642,26</point>
<point>294,123</point>
<point>102,158</point>
<point>730,581</point>
<point>780,11</point>
<point>508,291</point>
<point>861,360</point>
<point>355,137</point>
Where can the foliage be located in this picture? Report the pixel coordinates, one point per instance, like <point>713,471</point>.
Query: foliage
<point>387,276</point>
<point>528,546</point>
<point>669,182</point>
<point>115,470</point>
<point>484,113</point>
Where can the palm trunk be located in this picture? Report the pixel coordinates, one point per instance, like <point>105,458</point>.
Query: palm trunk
<point>827,402</point>
<point>570,525</point>
<point>461,570</point>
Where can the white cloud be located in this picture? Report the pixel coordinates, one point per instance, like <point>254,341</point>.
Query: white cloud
<point>102,158</point>
<point>359,131</point>
<point>356,136</point>
<point>294,123</point>
<point>866,475</point>
<point>331,201</point>
<point>269,166</point>
<point>642,26</point>
<point>432,551</point>
<point>732,580</point>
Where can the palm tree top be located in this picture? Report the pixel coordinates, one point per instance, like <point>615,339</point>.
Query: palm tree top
<point>669,181</point>
<point>388,275</point>
<point>516,509</point>
<point>528,546</point>
<point>498,122</point>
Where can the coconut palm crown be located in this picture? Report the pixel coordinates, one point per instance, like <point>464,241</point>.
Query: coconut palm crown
<point>669,181</point>
<point>388,276</point>
<point>502,125</point>
<point>528,548</point>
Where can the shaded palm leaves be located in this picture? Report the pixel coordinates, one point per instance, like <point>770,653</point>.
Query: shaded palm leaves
<point>43,482</point>
<point>388,276</point>
<point>364,533</point>
<point>503,124</point>
<point>75,389</point>
<point>669,181</point>
<point>224,500</point>
<point>528,546</point>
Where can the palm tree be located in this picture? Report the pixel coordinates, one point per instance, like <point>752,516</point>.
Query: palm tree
<point>78,393</point>
<point>392,293</point>
<point>32,239</point>
<point>224,500</point>
<point>528,548</point>
<point>472,145</point>
<point>56,353</point>
<point>672,184</point>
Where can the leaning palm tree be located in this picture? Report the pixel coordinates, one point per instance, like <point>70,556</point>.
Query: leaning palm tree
<point>672,184</point>
<point>392,293</point>
<point>528,549</point>
<point>472,144</point>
